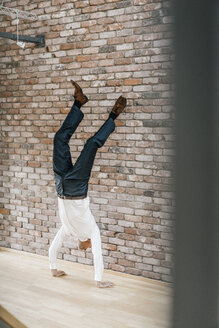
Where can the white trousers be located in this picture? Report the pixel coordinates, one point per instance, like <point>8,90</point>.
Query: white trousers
<point>54,247</point>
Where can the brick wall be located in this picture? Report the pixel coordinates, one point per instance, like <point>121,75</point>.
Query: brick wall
<point>111,48</point>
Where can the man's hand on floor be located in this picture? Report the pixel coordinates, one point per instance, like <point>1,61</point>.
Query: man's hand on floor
<point>104,284</point>
<point>57,273</point>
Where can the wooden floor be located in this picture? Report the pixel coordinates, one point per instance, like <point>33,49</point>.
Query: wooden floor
<point>38,300</point>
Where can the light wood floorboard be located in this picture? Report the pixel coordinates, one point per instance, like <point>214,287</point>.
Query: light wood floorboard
<point>38,300</point>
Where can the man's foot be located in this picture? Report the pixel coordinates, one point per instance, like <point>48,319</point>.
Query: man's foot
<point>104,284</point>
<point>79,96</point>
<point>119,106</point>
<point>83,245</point>
<point>57,273</point>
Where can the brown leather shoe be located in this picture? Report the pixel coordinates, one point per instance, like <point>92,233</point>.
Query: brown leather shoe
<point>79,93</point>
<point>119,105</point>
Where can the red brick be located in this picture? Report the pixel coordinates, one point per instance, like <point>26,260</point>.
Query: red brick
<point>116,267</point>
<point>67,46</point>
<point>132,82</point>
<point>110,247</point>
<point>131,231</point>
<point>4,211</point>
<point>66,60</point>
<point>52,35</point>
<point>33,164</point>
<point>82,58</point>
<point>126,263</point>
<point>81,4</point>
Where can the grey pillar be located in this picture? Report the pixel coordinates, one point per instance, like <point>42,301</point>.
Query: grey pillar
<point>197,169</point>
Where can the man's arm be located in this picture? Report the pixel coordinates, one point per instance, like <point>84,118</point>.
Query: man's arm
<point>98,259</point>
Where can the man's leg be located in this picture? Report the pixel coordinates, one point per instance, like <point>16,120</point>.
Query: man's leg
<point>61,152</point>
<point>85,161</point>
<point>56,244</point>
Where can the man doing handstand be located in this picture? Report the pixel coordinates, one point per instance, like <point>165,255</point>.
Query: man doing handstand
<point>72,185</point>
